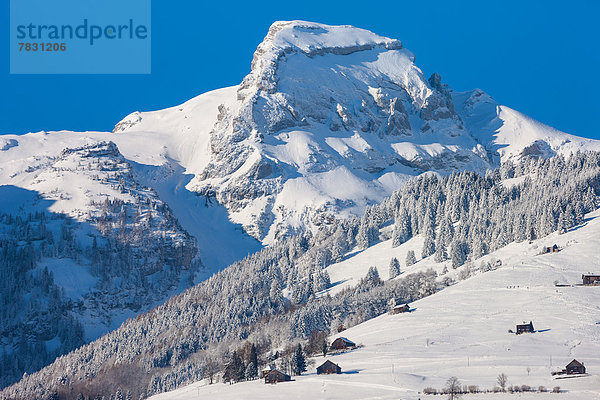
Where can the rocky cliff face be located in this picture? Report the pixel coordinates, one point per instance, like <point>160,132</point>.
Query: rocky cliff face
<point>331,119</point>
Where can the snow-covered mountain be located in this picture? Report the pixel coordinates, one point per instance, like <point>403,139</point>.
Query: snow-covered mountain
<point>322,105</point>
<point>329,120</point>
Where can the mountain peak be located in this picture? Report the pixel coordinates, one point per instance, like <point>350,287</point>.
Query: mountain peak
<point>310,39</point>
<point>313,38</point>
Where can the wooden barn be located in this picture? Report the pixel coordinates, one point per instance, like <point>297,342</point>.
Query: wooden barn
<point>275,376</point>
<point>553,249</point>
<point>329,367</point>
<point>575,367</point>
<point>342,343</point>
<point>400,308</point>
<point>590,279</point>
<point>525,328</point>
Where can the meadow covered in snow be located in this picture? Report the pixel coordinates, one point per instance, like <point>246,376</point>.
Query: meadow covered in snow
<point>462,331</point>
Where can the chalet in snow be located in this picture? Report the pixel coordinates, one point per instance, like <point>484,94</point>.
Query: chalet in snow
<point>590,279</point>
<point>553,249</point>
<point>329,367</point>
<point>342,343</point>
<point>275,376</point>
<point>575,367</point>
<point>572,368</point>
<point>400,308</point>
<point>525,328</point>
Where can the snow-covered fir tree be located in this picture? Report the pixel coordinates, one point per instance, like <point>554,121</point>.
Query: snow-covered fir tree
<point>394,267</point>
<point>402,228</point>
<point>410,258</point>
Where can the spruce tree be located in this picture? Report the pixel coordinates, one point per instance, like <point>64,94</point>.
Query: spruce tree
<point>298,361</point>
<point>402,228</point>
<point>459,253</point>
<point>429,244</point>
<point>251,371</point>
<point>372,278</point>
<point>394,267</point>
<point>275,292</point>
<point>252,368</point>
<point>410,258</point>
<point>441,254</point>
<point>239,367</point>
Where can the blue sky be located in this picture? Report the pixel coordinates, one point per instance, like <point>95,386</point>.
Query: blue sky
<point>539,57</point>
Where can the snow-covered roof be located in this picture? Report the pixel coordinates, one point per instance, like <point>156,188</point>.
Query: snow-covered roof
<point>346,340</point>
<point>574,362</point>
<point>327,362</point>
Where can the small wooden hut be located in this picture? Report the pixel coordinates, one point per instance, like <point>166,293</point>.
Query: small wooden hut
<point>552,249</point>
<point>590,279</point>
<point>329,367</point>
<point>575,367</point>
<point>342,343</point>
<point>400,308</point>
<point>275,376</point>
<point>525,328</point>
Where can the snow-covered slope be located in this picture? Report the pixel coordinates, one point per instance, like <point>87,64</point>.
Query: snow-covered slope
<point>330,104</point>
<point>463,331</point>
<point>119,235</point>
<point>512,134</point>
<point>28,163</point>
<point>182,340</point>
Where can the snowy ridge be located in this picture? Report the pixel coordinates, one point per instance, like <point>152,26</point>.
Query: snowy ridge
<point>511,134</point>
<point>543,140</point>
<point>184,130</point>
<point>313,38</point>
<point>154,165</point>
